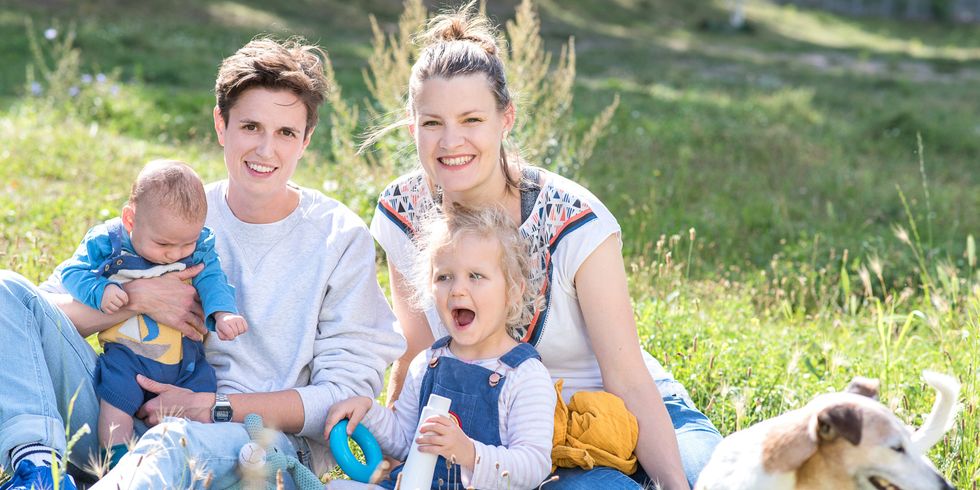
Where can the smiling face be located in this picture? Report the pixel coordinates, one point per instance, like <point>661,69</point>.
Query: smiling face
<point>470,292</point>
<point>263,140</point>
<point>458,131</point>
<point>160,236</point>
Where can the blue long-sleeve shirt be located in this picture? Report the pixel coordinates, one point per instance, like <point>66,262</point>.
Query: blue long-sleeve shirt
<point>107,250</point>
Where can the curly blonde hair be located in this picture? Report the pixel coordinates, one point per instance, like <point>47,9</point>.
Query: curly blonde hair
<point>491,222</point>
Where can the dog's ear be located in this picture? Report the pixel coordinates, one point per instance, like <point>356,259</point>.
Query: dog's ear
<point>864,386</point>
<point>788,444</point>
<point>795,438</point>
<point>840,420</point>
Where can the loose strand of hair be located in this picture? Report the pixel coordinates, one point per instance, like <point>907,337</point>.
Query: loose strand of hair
<point>373,136</point>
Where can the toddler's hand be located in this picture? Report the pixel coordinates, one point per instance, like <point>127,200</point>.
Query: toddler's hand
<point>229,325</point>
<point>441,435</point>
<point>113,298</point>
<point>353,409</point>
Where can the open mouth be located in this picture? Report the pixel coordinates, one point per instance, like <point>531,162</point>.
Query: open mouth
<point>463,316</point>
<point>883,484</point>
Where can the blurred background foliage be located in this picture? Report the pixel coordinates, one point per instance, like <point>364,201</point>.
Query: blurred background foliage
<point>802,177</point>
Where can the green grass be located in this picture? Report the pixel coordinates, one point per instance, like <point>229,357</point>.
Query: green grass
<point>786,148</point>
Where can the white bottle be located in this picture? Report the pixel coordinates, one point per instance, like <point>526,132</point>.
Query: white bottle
<point>419,467</point>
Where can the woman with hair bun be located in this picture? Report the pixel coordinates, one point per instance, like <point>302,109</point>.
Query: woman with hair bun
<point>459,114</point>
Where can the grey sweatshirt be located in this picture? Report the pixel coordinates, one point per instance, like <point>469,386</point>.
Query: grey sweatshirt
<point>318,321</point>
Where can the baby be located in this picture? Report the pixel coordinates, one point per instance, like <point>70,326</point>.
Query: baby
<point>161,230</point>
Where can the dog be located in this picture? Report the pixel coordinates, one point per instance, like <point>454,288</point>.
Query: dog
<point>838,441</point>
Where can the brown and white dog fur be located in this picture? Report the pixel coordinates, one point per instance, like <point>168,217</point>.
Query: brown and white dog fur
<point>838,441</point>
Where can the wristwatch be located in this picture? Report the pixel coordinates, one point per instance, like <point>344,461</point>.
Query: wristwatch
<point>221,411</point>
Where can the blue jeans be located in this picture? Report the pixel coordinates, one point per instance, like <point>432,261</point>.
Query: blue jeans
<point>178,453</point>
<point>44,363</point>
<point>696,438</point>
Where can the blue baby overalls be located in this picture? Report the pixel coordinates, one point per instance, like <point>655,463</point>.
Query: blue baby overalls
<point>115,374</point>
<point>124,260</point>
<point>474,391</point>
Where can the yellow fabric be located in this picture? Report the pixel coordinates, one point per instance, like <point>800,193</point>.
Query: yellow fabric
<point>162,344</point>
<point>152,340</point>
<point>594,429</point>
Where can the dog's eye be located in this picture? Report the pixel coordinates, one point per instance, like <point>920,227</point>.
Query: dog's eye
<point>899,449</point>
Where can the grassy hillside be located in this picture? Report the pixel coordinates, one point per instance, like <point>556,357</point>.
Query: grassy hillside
<point>824,244</point>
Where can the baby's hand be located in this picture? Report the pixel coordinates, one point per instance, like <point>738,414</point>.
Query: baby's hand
<point>113,298</point>
<point>353,409</point>
<point>229,325</point>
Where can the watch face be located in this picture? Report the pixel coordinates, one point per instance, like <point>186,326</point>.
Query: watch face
<point>221,414</point>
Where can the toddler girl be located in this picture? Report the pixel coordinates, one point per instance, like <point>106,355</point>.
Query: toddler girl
<point>499,432</point>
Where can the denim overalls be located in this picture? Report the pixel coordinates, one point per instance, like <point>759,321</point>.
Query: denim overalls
<point>474,391</point>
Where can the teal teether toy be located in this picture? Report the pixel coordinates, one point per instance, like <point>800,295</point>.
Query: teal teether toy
<point>273,460</point>
<point>340,448</point>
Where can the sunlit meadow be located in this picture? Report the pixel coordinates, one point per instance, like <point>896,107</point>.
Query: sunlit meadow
<point>800,200</point>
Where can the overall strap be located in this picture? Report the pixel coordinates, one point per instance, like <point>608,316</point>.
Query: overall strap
<point>116,230</point>
<point>441,343</point>
<point>428,379</point>
<point>519,354</point>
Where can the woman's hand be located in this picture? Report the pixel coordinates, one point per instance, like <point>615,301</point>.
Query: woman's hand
<point>170,301</point>
<point>440,435</point>
<point>173,401</point>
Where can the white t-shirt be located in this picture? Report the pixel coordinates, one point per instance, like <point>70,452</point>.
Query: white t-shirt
<point>566,224</point>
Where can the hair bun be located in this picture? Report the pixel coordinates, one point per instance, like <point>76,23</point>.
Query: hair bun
<point>461,26</point>
<point>453,29</point>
